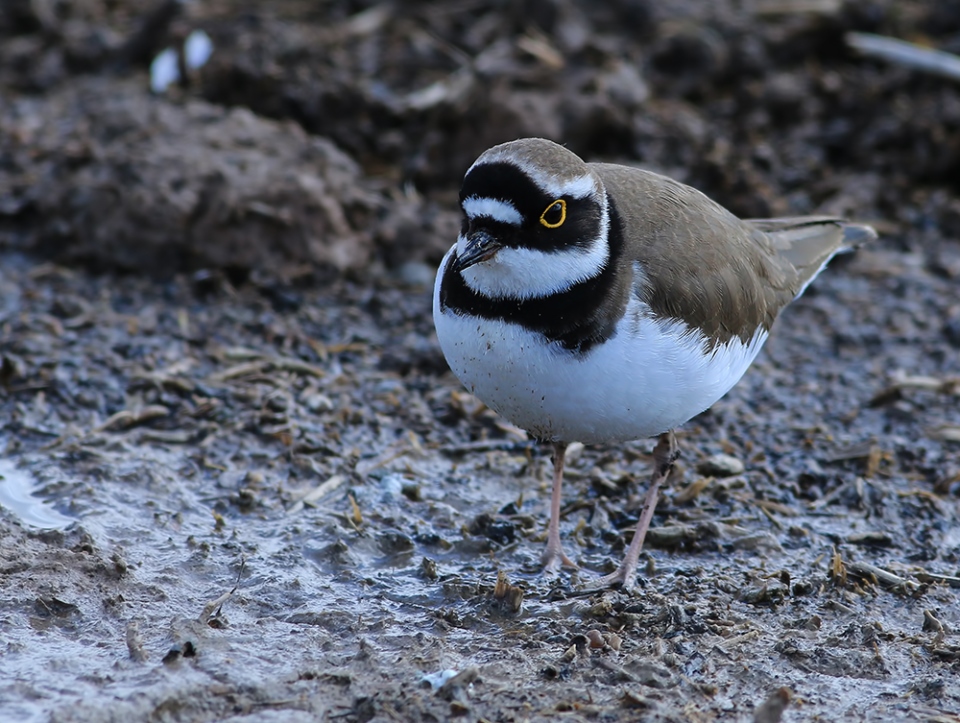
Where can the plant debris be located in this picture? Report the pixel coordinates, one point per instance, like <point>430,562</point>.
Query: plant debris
<point>216,346</point>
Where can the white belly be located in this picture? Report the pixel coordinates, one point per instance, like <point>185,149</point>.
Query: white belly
<point>649,378</point>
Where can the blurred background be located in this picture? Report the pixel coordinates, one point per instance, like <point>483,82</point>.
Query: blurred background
<point>335,133</point>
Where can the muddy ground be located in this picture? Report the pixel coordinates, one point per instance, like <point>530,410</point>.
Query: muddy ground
<point>238,482</point>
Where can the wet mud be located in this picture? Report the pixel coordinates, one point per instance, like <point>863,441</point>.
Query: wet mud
<point>238,482</point>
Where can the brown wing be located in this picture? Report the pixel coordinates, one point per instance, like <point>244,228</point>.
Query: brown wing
<point>702,265</point>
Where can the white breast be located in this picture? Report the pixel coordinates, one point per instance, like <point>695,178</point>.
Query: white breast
<point>649,378</point>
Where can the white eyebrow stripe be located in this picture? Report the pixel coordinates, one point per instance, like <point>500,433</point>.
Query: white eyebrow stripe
<point>581,187</point>
<point>578,187</point>
<point>498,210</point>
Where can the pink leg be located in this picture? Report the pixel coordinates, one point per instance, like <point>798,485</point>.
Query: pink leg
<point>553,557</point>
<point>664,455</point>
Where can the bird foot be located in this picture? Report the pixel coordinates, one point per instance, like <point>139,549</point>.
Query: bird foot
<point>624,576</point>
<point>554,558</point>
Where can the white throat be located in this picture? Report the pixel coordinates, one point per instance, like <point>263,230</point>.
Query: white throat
<point>525,273</point>
<point>521,273</point>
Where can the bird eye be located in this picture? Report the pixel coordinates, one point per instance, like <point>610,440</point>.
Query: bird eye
<point>555,214</point>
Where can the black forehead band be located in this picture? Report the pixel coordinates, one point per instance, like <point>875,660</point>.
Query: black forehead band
<point>505,182</point>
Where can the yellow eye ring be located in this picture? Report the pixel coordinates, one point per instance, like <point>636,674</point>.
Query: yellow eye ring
<point>552,210</point>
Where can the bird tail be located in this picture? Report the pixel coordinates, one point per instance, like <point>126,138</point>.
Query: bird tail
<point>809,242</point>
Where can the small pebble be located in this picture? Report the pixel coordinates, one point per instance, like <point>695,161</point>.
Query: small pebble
<point>595,637</point>
<point>317,402</point>
<point>672,659</point>
<point>428,569</point>
<point>392,484</point>
<point>574,451</point>
<point>720,465</point>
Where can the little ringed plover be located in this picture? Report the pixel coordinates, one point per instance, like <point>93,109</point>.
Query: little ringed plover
<point>599,303</point>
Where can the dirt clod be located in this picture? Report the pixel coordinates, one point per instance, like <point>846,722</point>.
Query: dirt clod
<point>217,357</point>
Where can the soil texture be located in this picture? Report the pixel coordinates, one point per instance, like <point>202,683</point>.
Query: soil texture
<point>238,482</point>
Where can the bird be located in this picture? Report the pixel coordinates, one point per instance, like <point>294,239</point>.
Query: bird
<point>601,303</point>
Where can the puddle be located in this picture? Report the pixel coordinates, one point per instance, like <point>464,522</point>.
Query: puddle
<point>17,489</point>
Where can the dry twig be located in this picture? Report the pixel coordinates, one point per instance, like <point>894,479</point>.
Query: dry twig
<point>212,608</point>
